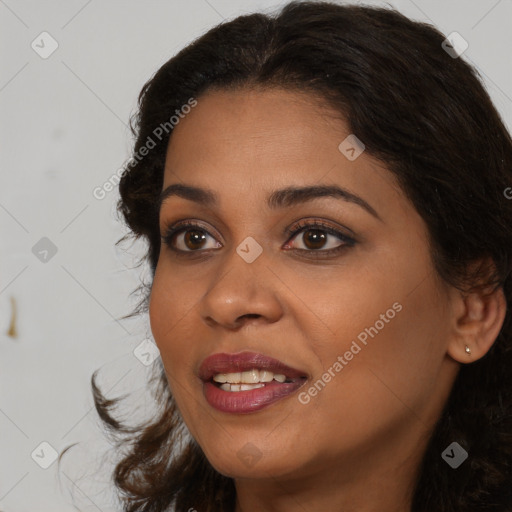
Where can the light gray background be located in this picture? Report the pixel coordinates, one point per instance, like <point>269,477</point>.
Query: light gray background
<point>63,133</point>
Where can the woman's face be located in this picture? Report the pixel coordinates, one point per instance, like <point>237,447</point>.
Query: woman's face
<point>352,304</point>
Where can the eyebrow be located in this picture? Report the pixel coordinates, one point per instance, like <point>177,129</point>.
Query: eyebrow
<point>283,198</point>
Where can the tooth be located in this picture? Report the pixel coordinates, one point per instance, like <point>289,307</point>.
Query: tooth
<point>241,387</point>
<point>253,376</point>
<point>250,377</point>
<point>266,376</point>
<point>248,387</point>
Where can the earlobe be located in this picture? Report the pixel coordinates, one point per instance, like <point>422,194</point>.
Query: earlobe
<point>479,324</point>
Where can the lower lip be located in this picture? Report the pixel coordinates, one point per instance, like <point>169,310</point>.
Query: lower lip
<point>248,401</point>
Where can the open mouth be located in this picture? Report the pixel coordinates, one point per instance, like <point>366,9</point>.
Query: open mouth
<point>249,380</point>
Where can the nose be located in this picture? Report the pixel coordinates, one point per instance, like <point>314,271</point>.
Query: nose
<point>241,293</point>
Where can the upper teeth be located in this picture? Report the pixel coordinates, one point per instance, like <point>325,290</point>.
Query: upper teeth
<point>249,377</point>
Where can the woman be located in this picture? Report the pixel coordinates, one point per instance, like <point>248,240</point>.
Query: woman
<point>323,197</point>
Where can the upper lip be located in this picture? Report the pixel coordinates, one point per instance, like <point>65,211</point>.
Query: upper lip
<point>244,361</point>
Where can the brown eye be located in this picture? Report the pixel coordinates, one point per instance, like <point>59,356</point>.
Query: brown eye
<point>314,238</point>
<point>194,239</point>
<point>189,237</point>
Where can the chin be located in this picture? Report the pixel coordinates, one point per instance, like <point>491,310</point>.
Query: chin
<point>246,460</point>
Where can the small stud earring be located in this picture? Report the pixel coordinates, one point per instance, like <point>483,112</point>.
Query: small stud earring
<point>468,351</point>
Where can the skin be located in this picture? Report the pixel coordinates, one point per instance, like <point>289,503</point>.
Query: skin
<point>357,444</point>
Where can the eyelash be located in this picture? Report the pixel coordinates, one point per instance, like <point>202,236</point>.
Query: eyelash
<point>291,233</point>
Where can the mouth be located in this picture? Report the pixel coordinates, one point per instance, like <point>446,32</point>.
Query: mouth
<point>247,381</point>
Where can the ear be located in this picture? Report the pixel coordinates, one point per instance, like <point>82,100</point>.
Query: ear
<point>479,316</point>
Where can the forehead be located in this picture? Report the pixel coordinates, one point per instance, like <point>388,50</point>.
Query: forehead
<point>255,122</point>
<point>245,142</point>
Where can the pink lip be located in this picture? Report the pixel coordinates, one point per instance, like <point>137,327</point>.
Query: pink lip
<point>247,401</point>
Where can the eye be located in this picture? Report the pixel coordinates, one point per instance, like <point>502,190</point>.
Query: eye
<point>315,238</point>
<point>188,237</point>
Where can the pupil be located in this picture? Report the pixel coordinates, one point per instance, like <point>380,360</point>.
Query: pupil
<point>315,238</point>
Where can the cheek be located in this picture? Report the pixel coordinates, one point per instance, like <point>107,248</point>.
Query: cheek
<point>168,309</point>
<point>391,340</point>
<point>170,300</point>
<point>167,316</point>
<point>385,383</point>
<point>395,370</point>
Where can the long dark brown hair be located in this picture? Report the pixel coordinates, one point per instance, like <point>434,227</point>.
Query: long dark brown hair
<point>424,114</point>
